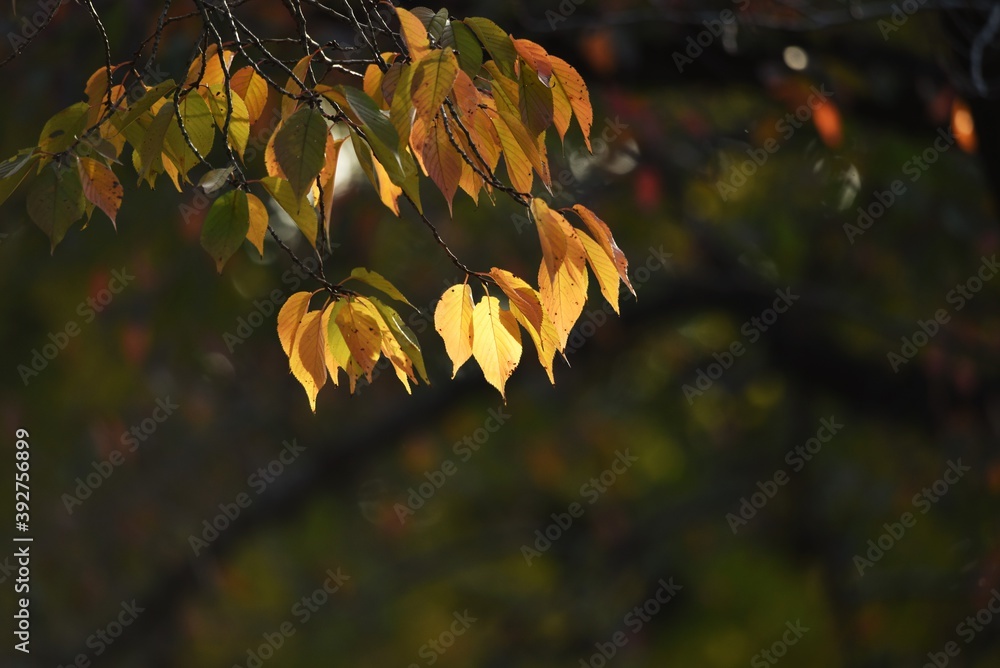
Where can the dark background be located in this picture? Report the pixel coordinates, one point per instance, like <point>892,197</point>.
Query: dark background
<point>655,183</point>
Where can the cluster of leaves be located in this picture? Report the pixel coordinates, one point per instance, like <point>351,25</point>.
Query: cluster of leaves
<point>454,99</point>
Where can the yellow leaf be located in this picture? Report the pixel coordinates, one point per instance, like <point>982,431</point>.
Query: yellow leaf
<point>562,110</point>
<point>600,231</point>
<point>401,107</point>
<point>213,73</point>
<point>496,342</point>
<point>405,337</point>
<point>361,333</point>
<point>379,282</point>
<point>372,84</point>
<point>603,268</point>
<point>258,222</point>
<point>552,233</point>
<point>252,89</point>
<point>576,91</point>
<point>391,347</point>
<point>326,177</point>
<point>308,361</point>
<point>518,164</point>
<point>239,119</point>
<point>301,69</point>
<point>101,186</point>
<point>289,317</point>
<point>564,292</point>
<point>526,306</point>
<point>433,78</point>
<point>414,34</point>
<point>453,321</point>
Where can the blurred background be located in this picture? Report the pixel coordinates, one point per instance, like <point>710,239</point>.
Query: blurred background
<point>783,450</point>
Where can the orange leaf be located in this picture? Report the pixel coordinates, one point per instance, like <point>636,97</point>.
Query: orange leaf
<point>600,231</point>
<point>308,359</point>
<point>433,79</point>
<point>101,186</point>
<point>576,91</point>
<point>414,34</point>
<point>253,89</point>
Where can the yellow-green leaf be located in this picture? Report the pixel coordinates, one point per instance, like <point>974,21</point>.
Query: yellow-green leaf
<point>380,283</point>
<point>298,208</point>
<point>600,231</point>
<point>56,201</point>
<point>404,336</point>
<point>496,41</point>
<point>433,79</point>
<point>239,119</point>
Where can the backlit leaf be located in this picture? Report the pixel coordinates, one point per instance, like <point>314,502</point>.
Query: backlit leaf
<point>600,231</point>
<point>289,317</point>
<point>433,79</point>
<point>496,342</point>
<point>252,89</point>
<point>470,52</point>
<point>453,321</point>
<point>576,92</point>
<point>414,34</point>
<point>526,306</point>
<point>552,233</point>
<point>61,130</point>
<point>564,293</point>
<point>404,336</point>
<point>536,57</point>
<point>308,358</point>
<point>603,268</point>
<point>361,333</point>
<point>259,217</point>
<point>298,208</point>
<point>239,119</point>
<point>380,283</point>
<point>101,187</point>
<point>497,43</point>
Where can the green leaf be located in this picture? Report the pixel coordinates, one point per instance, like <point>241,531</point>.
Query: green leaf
<point>497,43</point>
<point>433,80</point>
<point>56,201</point>
<point>300,148</point>
<point>470,53</point>
<point>61,130</point>
<point>535,101</point>
<point>13,170</point>
<point>379,282</point>
<point>298,208</point>
<point>226,226</point>
<point>404,335</point>
<point>150,149</point>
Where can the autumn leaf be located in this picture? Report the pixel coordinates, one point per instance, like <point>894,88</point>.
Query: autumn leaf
<point>602,233</point>
<point>564,292</point>
<point>496,41</point>
<point>300,148</point>
<point>390,347</point>
<point>576,92</point>
<point>239,119</point>
<point>61,131</point>
<point>327,177</point>
<point>308,358</point>
<point>336,354</point>
<point>433,79</point>
<point>259,218</point>
<point>289,316</point>
<point>300,72</point>
<point>226,225</point>
<point>536,57</point>
<point>298,208</point>
<point>379,282</point>
<point>440,161</point>
<point>526,306</point>
<point>209,62</point>
<point>362,335</point>
<point>453,321</point>
<point>552,228</point>
<point>252,89</point>
<point>603,268</point>
<point>101,187</point>
<point>469,51</point>
<point>496,342</point>
<point>414,34</point>
<point>405,337</point>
